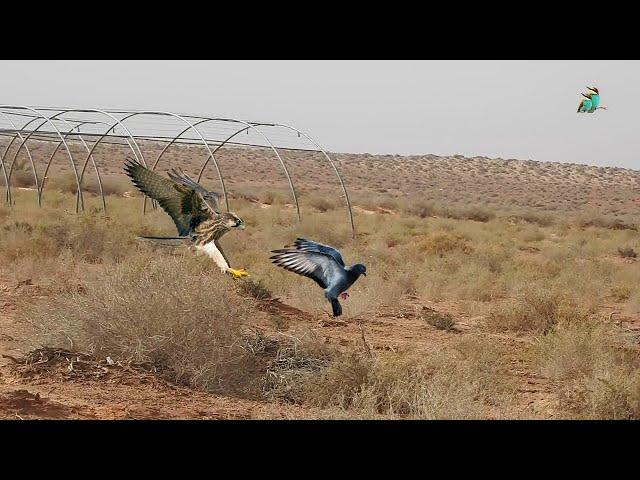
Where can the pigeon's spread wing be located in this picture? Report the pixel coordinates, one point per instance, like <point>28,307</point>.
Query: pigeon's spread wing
<point>182,203</point>
<point>320,267</point>
<point>305,245</point>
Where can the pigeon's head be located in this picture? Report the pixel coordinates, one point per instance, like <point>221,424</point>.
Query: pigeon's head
<point>231,220</point>
<point>359,269</point>
<point>593,90</point>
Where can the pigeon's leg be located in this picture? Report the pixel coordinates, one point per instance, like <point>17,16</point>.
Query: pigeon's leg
<point>240,273</point>
<point>336,307</point>
<point>344,295</point>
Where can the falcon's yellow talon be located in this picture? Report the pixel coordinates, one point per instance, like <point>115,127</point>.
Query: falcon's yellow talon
<point>241,273</point>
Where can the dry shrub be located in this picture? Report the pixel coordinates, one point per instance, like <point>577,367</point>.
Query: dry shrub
<point>169,312</point>
<point>442,321</point>
<point>297,359</point>
<point>627,252</point>
<point>63,183</point>
<point>599,373</point>
<point>439,384</point>
<point>535,218</point>
<point>602,221</point>
<point>322,204</point>
<point>424,209</point>
<point>21,175</point>
<point>621,292</point>
<point>254,289</point>
<point>90,238</point>
<point>271,197</point>
<point>537,309</point>
<point>440,243</point>
<point>475,213</point>
<point>21,178</point>
<point>67,184</point>
<point>421,209</point>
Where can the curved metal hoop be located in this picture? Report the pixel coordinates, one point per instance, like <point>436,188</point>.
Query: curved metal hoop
<point>335,169</point>
<point>166,147</point>
<point>253,127</point>
<point>33,167</point>
<point>192,122</point>
<point>117,122</point>
<point>202,139</point>
<point>55,150</point>
<point>48,120</point>
<point>8,176</point>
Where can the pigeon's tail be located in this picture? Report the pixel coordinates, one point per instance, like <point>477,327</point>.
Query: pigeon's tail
<point>337,308</point>
<point>165,241</point>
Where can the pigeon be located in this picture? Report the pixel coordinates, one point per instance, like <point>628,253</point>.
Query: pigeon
<point>324,265</point>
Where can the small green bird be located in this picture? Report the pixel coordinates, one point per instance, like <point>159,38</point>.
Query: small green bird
<point>591,101</point>
<point>595,98</point>
<point>585,103</point>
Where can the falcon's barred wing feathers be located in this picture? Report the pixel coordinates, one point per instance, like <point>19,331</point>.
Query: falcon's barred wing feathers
<point>181,202</point>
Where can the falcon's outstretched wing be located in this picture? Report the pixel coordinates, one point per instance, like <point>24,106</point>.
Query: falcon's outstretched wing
<point>323,268</point>
<point>178,176</point>
<point>181,202</point>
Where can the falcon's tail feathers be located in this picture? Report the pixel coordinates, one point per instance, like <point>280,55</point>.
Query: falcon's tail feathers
<point>165,241</point>
<point>337,308</point>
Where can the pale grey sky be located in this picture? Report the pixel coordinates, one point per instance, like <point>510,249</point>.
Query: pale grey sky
<point>508,109</point>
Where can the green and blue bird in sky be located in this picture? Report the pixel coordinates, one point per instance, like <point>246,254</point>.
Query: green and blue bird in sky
<point>590,101</point>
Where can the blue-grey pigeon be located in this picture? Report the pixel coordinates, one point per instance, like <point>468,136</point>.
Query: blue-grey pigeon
<point>323,264</point>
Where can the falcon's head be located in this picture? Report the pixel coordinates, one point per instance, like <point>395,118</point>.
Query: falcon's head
<point>231,220</point>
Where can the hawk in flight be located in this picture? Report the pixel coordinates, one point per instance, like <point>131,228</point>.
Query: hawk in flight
<point>194,210</point>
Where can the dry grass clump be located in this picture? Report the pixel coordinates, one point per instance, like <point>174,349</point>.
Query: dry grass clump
<point>621,292</point>
<point>169,312</point>
<point>442,321</point>
<point>322,204</point>
<point>440,243</point>
<point>627,252</point>
<point>421,209</point>
<point>424,209</point>
<point>597,368</point>
<point>21,176</point>
<point>67,184</point>
<point>535,218</point>
<point>603,221</point>
<point>456,383</point>
<point>537,309</point>
<point>90,238</point>
<point>254,289</point>
<point>476,213</point>
<point>297,359</point>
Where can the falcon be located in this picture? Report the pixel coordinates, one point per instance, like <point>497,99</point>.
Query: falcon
<point>194,210</point>
<point>324,265</point>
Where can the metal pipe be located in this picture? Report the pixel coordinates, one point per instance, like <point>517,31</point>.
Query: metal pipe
<point>33,167</point>
<point>335,169</point>
<point>50,122</point>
